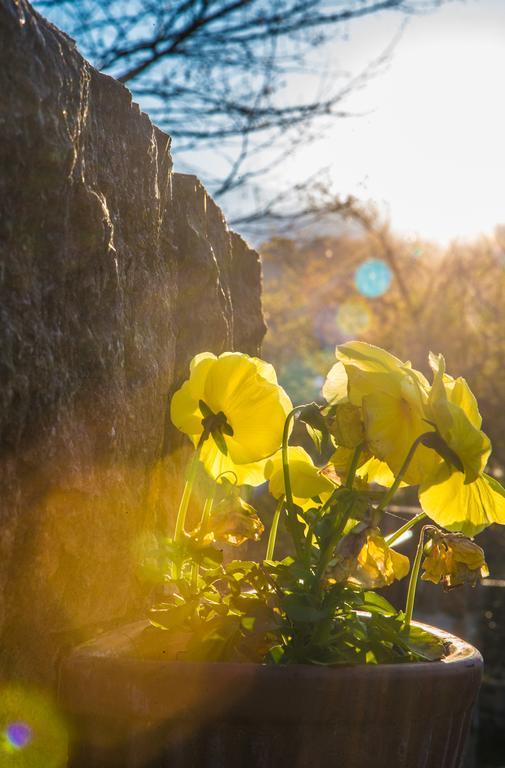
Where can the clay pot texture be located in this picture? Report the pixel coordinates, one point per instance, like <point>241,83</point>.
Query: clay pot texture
<point>132,707</point>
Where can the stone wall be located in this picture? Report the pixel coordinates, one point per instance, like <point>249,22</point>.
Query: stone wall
<point>113,272</point>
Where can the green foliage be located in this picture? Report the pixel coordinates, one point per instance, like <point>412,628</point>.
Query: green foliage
<point>277,612</point>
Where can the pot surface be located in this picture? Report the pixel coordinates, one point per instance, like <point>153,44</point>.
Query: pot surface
<point>133,708</point>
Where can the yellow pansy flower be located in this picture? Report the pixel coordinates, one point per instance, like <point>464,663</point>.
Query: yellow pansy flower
<point>454,560</point>
<point>378,565</point>
<point>306,479</point>
<point>466,501</point>
<point>236,399</point>
<point>393,396</point>
<point>453,410</point>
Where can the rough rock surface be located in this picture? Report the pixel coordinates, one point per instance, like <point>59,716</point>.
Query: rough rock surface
<point>113,272</point>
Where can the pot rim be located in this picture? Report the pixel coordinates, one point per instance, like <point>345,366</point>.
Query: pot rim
<point>110,677</point>
<point>126,643</point>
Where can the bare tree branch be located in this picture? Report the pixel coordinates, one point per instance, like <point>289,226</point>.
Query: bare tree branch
<point>215,73</point>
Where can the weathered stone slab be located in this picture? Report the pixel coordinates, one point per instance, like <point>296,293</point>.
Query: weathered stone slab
<point>113,273</point>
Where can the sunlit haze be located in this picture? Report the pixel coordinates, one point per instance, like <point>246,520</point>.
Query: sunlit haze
<point>430,147</point>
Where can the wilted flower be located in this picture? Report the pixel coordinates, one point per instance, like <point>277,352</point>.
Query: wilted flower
<point>454,560</point>
<point>378,565</point>
<point>232,521</point>
<point>346,553</point>
<point>235,401</point>
<point>346,425</point>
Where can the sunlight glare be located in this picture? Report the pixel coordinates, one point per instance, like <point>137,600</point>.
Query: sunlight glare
<point>429,148</point>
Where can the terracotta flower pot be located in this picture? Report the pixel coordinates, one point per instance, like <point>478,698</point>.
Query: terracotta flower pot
<point>131,707</point>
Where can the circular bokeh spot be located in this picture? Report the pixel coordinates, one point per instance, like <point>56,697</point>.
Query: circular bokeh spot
<point>18,734</point>
<point>353,317</point>
<point>373,278</point>
<point>32,733</point>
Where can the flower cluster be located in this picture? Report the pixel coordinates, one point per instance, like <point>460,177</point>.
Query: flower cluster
<point>435,428</point>
<point>383,426</point>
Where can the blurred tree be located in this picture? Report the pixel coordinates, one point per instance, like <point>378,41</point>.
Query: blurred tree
<point>450,301</point>
<point>215,73</point>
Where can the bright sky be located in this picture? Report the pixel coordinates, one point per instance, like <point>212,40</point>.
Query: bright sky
<point>431,148</point>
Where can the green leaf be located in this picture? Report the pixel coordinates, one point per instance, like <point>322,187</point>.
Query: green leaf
<point>208,556</point>
<point>302,609</point>
<point>206,412</point>
<point>316,427</point>
<point>220,441</point>
<point>378,604</point>
<point>276,654</point>
<point>423,644</point>
<point>171,617</point>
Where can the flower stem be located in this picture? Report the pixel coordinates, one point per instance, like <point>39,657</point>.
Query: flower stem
<point>398,479</point>
<point>186,495</point>
<point>327,553</point>
<point>285,464</point>
<point>273,530</point>
<point>354,466</point>
<point>194,576</point>
<point>291,512</point>
<point>411,594</point>
<point>207,509</point>
<point>406,527</point>
<point>351,474</point>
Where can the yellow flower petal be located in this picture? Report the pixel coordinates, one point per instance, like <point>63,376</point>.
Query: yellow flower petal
<point>184,411</point>
<point>459,506</point>
<point>199,368</point>
<point>217,464</point>
<point>369,369</point>
<point>255,408</point>
<point>460,394</point>
<point>453,409</point>
<point>370,468</point>
<point>335,386</point>
<point>376,471</point>
<point>391,426</point>
<point>367,357</point>
<point>306,481</point>
<point>266,370</point>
